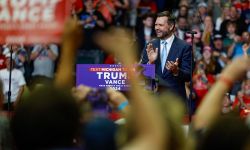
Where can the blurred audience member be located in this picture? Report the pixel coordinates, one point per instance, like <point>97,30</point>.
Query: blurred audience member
<point>146,5</point>
<point>145,32</point>
<point>99,133</point>
<point>226,104</point>
<point>2,58</point>
<point>231,35</point>
<point>211,66</point>
<point>20,57</point>
<point>201,82</point>
<point>202,10</point>
<point>197,46</point>
<point>44,57</point>
<point>48,119</point>
<point>242,99</point>
<point>183,11</point>
<point>219,53</point>
<point>6,142</point>
<point>225,15</point>
<point>227,132</point>
<point>92,21</point>
<point>208,31</point>
<point>242,48</point>
<point>234,17</point>
<point>121,17</point>
<point>195,21</point>
<point>107,8</point>
<point>182,27</point>
<point>17,84</point>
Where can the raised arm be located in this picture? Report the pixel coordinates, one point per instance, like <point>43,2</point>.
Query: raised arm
<point>52,51</point>
<point>147,120</point>
<point>210,107</point>
<point>71,39</point>
<point>35,52</point>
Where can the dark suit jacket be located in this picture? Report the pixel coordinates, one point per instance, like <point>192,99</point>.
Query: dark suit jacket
<point>179,49</point>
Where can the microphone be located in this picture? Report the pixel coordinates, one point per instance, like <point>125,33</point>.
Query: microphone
<point>191,32</point>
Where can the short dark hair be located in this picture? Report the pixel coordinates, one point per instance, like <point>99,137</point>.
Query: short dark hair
<point>181,17</point>
<point>169,15</point>
<point>231,23</point>
<point>148,15</point>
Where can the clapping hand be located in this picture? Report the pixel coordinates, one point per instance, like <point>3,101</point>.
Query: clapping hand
<point>152,53</point>
<point>173,66</point>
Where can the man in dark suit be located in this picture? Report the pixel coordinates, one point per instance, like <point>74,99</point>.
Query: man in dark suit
<point>171,56</point>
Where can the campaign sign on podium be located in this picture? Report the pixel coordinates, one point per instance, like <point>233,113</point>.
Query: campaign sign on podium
<point>32,21</point>
<point>114,76</point>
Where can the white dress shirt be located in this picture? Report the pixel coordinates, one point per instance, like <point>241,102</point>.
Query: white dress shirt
<point>169,44</point>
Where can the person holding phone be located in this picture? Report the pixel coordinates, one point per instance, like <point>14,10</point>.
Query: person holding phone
<point>171,55</point>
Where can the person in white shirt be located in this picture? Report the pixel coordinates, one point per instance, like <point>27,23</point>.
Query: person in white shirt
<point>44,57</point>
<point>17,84</point>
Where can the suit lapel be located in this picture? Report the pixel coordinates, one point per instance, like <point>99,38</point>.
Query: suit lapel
<point>158,60</point>
<point>171,54</point>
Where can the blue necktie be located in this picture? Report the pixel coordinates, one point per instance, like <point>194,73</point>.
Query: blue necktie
<point>163,54</point>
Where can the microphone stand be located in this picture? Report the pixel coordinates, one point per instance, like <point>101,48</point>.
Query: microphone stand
<point>191,76</point>
<point>10,73</point>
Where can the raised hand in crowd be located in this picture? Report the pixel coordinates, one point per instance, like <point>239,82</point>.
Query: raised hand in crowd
<point>80,92</point>
<point>71,40</point>
<point>147,121</point>
<point>118,100</point>
<point>211,104</point>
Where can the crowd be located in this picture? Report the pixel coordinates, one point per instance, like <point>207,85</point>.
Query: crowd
<point>66,117</point>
